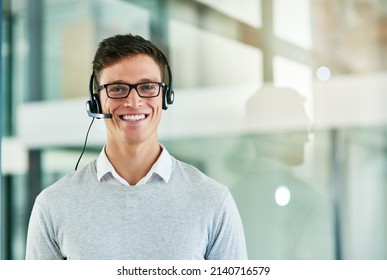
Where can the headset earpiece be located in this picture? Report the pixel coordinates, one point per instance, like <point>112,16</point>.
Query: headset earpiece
<point>170,97</point>
<point>168,94</point>
<point>93,105</point>
<point>165,103</point>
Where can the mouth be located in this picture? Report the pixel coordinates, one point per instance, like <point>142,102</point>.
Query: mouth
<point>133,118</point>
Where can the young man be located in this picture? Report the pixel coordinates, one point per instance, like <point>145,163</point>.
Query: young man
<point>135,201</point>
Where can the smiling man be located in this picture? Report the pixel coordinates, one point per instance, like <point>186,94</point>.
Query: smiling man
<point>135,201</point>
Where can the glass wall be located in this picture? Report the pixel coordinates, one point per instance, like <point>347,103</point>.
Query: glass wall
<point>282,103</point>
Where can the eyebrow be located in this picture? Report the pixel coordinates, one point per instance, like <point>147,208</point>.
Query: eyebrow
<point>144,80</point>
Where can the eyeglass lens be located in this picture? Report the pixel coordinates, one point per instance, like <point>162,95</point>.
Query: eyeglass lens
<point>143,90</point>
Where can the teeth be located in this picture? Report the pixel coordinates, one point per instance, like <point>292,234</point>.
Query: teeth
<point>133,118</point>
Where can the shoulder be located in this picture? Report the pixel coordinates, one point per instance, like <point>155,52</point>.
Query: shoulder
<point>70,182</point>
<point>190,177</point>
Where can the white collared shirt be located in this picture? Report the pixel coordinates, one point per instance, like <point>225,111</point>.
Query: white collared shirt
<point>161,169</point>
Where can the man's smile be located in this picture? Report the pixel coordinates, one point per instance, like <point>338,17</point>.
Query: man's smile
<point>134,118</point>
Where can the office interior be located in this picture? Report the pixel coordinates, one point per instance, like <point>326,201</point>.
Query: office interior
<point>284,102</point>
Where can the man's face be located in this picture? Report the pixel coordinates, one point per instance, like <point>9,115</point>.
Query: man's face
<point>135,119</point>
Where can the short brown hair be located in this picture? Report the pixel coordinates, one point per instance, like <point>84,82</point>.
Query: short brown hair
<point>114,48</point>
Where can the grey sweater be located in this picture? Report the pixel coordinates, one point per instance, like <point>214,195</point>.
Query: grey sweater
<point>190,217</point>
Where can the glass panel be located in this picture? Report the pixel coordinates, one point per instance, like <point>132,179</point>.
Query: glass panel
<point>82,25</point>
<point>200,58</point>
<point>18,216</point>
<point>285,216</point>
<point>349,36</point>
<point>364,195</point>
<point>294,75</point>
<point>290,16</point>
<point>248,11</point>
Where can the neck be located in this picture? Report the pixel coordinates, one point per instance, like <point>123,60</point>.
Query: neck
<point>133,161</point>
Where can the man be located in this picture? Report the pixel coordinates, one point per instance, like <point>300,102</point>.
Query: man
<point>135,201</point>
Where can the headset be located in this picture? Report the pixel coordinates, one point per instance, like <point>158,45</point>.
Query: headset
<point>93,105</point>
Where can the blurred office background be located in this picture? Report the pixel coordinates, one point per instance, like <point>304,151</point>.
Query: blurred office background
<point>282,101</point>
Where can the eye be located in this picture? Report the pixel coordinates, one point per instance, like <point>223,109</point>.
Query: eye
<point>117,89</point>
<point>148,87</point>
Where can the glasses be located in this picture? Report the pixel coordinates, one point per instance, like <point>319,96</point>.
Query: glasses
<point>122,90</point>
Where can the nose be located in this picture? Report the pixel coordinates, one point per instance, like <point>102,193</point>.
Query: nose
<point>133,99</point>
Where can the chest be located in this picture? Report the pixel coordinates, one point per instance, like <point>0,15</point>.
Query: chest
<point>133,227</point>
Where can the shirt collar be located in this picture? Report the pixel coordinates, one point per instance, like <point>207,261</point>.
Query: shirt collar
<point>162,167</point>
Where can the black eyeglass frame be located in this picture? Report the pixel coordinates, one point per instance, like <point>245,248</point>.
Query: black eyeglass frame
<point>132,86</point>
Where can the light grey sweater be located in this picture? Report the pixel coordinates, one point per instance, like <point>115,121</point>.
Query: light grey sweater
<point>190,217</point>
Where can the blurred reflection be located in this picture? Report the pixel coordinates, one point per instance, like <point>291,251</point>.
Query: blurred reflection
<point>283,216</point>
